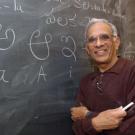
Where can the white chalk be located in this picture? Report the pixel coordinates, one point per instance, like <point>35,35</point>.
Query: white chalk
<point>127,106</point>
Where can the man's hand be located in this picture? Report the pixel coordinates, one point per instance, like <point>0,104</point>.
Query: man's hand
<point>78,113</point>
<point>109,119</point>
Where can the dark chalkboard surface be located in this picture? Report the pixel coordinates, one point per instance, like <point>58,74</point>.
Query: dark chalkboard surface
<point>42,59</point>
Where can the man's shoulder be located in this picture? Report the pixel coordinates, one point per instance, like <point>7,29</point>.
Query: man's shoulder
<point>128,65</point>
<point>128,62</point>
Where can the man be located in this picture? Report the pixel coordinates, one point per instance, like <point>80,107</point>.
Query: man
<point>103,94</point>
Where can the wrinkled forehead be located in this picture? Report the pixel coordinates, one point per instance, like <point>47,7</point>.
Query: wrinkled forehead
<point>99,28</point>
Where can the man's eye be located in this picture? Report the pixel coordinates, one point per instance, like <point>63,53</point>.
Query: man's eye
<point>91,40</point>
<point>104,37</point>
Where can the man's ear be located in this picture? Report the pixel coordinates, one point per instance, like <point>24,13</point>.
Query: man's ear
<point>117,42</point>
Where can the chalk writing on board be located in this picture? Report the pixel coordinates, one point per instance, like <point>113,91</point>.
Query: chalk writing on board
<point>71,21</point>
<point>51,20</point>
<point>8,31</point>
<point>83,5</point>
<point>2,77</point>
<point>61,21</point>
<point>50,11</point>
<point>86,5</point>
<point>41,74</point>
<point>55,0</point>
<point>71,52</point>
<point>17,6</point>
<point>48,14</point>
<point>70,72</point>
<point>64,21</point>
<point>61,4</point>
<point>5,6</point>
<point>47,40</point>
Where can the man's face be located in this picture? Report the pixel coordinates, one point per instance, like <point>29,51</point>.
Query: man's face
<point>101,45</point>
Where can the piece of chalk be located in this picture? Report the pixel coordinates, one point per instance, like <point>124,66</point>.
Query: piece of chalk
<point>128,106</point>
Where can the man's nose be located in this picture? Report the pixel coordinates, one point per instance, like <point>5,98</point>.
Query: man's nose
<point>99,42</point>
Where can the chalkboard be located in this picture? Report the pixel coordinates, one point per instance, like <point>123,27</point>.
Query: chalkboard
<point>42,59</point>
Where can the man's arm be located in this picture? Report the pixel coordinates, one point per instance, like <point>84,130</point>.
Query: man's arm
<point>109,119</point>
<point>106,120</point>
<point>82,122</point>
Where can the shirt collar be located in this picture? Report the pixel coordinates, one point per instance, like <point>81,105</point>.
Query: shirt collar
<point>116,68</point>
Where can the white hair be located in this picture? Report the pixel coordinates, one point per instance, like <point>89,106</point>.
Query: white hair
<point>95,20</point>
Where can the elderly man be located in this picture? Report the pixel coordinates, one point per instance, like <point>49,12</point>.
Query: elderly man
<point>103,94</point>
